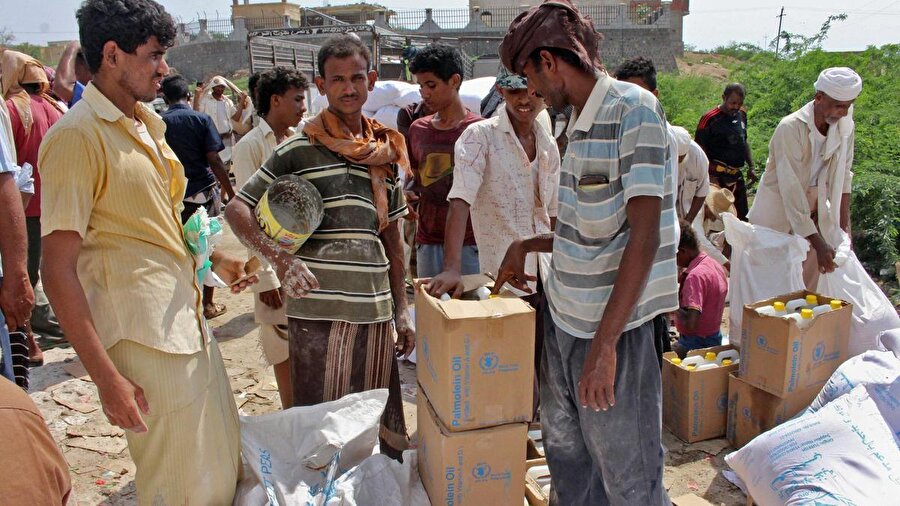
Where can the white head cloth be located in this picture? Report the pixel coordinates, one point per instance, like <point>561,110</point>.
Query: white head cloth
<point>682,140</point>
<point>839,83</point>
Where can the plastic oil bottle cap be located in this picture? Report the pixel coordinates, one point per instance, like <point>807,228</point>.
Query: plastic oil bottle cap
<point>806,314</point>
<point>691,367</point>
<point>710,356</point>
<point>812,300</point>
<point>676,361</point>
<point>726,361</point>
<point>836,304</point>
<point>778,305</point>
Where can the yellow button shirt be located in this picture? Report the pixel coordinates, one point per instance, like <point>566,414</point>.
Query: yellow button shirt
<point>101,181</point>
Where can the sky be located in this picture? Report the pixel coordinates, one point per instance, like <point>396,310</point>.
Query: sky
<point>711,23</point>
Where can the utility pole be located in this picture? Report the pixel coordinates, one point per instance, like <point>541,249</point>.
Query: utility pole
<point>778,36</point>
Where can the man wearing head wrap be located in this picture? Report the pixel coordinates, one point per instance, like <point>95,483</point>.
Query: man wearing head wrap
<point>612,277</point>
<point>211,100</point>
<point>32,111</point>
<point>805,189</point>
<point>693,175</point>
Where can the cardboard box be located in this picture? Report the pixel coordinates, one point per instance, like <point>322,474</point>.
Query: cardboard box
<point>695,403</point>
<point>780,358</point>
<point>478,467</point>
<point>752,411</point>
<point>476,359</point>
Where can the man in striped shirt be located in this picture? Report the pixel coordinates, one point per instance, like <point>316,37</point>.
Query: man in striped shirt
<point>346,283</point>
<point>613,273</point>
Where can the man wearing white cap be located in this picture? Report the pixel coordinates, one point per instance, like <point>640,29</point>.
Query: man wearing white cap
<point>693,175</point>
<point>805,189</point>
<point>212,100</point>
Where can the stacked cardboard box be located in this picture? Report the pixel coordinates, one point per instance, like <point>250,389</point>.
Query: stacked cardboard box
<point>783,367</point>
<point>695,402</point>
<point>475,371</point>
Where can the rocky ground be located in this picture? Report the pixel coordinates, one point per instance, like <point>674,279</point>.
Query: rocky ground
<point>103,473</point>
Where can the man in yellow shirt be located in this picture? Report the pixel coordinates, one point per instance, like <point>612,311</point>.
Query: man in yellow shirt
<point>119,271</point>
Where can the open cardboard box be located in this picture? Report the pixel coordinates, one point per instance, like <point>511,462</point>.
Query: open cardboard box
<point>695,403</point>
<point>780,358</point>
<point>476,358</point>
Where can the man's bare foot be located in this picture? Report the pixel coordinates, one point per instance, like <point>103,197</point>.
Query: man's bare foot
<point>35,355</point>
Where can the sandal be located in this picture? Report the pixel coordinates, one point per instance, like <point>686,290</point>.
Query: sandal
<point>217,310</point>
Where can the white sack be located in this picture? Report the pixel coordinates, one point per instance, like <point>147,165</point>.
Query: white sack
<point>387,116</point>
<point>381,481</point>
<point>764,264</point>
<point>408,97</point>
<point>876,369</point>
<point>386,93</point>
<point>843,454</point>
<point>873,312</point>
<point>473,91</point>
<point>296,456</point>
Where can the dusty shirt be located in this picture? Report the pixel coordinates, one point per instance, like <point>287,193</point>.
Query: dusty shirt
<point>693,178</point>
<point>509,199</point>
<point>345,253</point>
<point>104,183</point>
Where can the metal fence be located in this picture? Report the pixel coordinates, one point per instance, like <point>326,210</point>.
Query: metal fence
<point>635,14</point>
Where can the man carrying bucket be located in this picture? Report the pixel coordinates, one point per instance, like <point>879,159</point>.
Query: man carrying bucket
<point>346,282</point>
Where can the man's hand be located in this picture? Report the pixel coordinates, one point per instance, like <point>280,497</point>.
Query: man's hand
<point>411,199</point>
<point>296,278</point>
<point>512,269</point>
<point>272,298</point>
<point>449,281</point>
<point>597,385</point>
<point>751,175</point>
<point>231,269</point>
<point>825,256</point>
<point>123,402</point>
<point>406,335</point>
<point>16,300</point>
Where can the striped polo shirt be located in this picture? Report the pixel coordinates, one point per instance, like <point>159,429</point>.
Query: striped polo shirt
<point>618,149</point>
<point>345,253</point>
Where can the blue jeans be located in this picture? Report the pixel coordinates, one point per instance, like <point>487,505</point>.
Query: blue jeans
<point>612,457</point>
<point>698,342</point>
<point>430,260</point>
<point>6,366</point>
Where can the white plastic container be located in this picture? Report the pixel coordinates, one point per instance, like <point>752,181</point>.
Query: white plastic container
<point>808,302</point>
<point>483,293</point>
<point>824,308</point>
<point>776,309</point>
<point>804,318</point>
<point>445,297</point>
<point>698,361</point>
<point>708,365</point>
<point>733,356</point>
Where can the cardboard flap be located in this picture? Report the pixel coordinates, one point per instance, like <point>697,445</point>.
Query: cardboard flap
<point>492,308</point>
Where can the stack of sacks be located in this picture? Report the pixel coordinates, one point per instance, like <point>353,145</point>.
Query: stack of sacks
<point>844,449</point>
<point>388,97</point>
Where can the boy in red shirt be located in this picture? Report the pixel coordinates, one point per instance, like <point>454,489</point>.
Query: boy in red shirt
<point>703,288</point>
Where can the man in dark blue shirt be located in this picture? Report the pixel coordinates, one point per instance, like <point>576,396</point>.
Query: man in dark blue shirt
<point>193,137</point>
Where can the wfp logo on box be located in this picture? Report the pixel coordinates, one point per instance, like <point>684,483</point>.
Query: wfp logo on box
<point>746,413</point>
<point>763,343</point>
<point>819,352</point>
<point>722,403</point>
<point>481,471</point>
<point>489,362</point>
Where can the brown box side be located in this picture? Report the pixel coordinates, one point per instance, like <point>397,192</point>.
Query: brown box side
<point>752,411</point>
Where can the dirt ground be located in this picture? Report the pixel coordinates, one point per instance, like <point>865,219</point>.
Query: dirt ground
<point>103,473</point>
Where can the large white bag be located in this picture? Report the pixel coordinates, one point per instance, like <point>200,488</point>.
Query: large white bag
<point>873,312</point>
<point>387,116</point>
<point>875,368</point>
<point>843,454</point>
<point>296,456</point>
<point>386,93</point>
<point>381,481</point>
<point>473,91</point>
<point>764,264</point>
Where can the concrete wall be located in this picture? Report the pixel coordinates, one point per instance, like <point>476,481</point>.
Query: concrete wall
<point>655,44</point>
<point>199,61</point>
